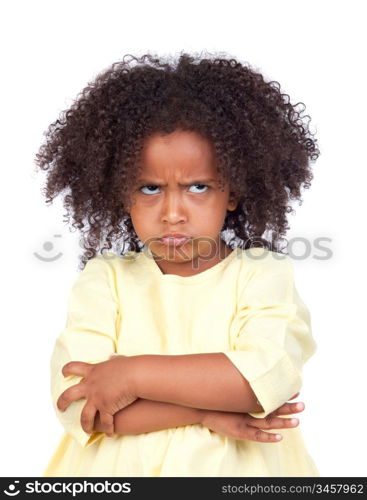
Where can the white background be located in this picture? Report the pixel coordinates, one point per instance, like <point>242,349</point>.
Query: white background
<point>316,50</point>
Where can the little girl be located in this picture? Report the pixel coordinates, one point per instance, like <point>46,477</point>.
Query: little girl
<point>182,350</point>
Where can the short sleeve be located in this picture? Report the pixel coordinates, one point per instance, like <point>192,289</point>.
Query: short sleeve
<point>89,336</point>
<point>272,333</point>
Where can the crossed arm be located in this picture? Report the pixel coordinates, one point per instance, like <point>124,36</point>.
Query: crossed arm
<point>180,389</point>
<point>148,416</point>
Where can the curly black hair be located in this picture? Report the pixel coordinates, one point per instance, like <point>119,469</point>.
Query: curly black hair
<point>262,143</point>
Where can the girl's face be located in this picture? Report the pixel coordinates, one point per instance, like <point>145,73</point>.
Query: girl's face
<point>178,192</point>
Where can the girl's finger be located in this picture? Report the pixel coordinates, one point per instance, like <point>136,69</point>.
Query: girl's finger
<point>274,422</point>
<point>107,423</point>
<point>289,408</point>
<point>87,417</point>
<point>255,434</point>
<point>76,368</point>
<point>73,393</point>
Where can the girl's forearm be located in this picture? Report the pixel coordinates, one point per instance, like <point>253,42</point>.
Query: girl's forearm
<point>148,416</point>
<point>206,381</point>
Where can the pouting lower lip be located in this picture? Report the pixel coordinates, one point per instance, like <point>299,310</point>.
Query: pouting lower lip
<point>174,241</point>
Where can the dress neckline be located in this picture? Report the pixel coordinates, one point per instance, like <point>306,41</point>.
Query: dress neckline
<point>148,260</point>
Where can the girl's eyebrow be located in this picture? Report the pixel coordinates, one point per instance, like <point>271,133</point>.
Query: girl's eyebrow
<point>195,181</point>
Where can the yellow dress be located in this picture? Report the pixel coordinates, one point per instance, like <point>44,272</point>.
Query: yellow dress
<point>245,306</point>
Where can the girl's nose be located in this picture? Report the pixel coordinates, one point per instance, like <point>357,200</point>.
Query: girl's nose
<point>173,209</point>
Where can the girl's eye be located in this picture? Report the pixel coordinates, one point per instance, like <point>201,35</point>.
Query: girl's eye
<point>149,186</point>
<point>153,186</point>
<point>201,185</point>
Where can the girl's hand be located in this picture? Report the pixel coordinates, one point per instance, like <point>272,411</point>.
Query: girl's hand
<point>244,426</point>
<point>107,386</point>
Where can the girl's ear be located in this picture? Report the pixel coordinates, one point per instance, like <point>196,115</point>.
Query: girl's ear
<point>232,202</point>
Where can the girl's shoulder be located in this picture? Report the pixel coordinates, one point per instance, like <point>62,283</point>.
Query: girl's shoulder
<point>266,276</point>
<point>263,270</point>
<point>259,259</point>
<point>115,264</point>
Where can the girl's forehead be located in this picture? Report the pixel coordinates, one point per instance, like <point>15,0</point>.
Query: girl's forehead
<point>179,170</point>
<point>181,153</point>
